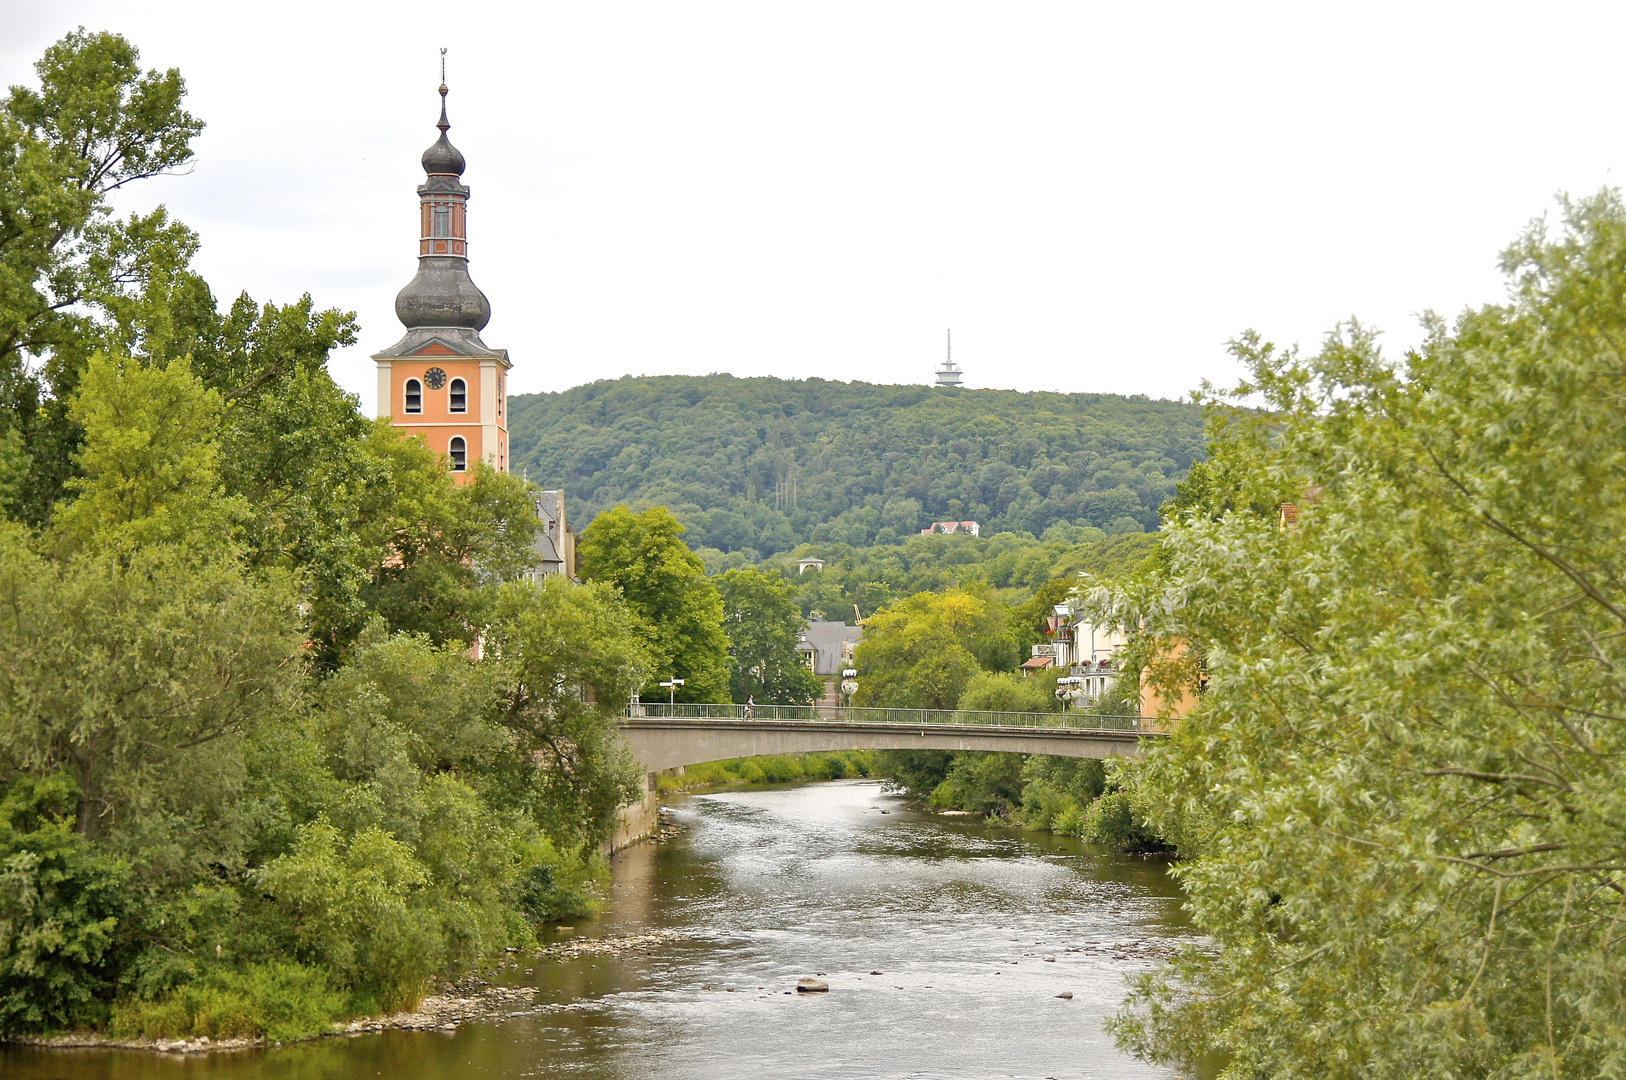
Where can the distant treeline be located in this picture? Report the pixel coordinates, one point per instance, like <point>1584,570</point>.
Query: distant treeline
<point>1018,567</point>
<point>761,465</point>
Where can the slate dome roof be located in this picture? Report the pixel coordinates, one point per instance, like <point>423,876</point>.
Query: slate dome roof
<point>441,294</point>
<point>443,157</point>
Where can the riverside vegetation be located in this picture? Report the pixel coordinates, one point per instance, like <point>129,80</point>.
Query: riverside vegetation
<point>1409,750</point>
<point>250,778</point>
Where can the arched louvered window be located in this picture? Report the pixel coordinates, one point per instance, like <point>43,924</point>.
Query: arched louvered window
<point>414,396</point>
<point>458,451</point>
<point>458,396</point>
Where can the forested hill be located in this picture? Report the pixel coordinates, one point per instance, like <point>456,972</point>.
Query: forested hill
<point>765,464</point>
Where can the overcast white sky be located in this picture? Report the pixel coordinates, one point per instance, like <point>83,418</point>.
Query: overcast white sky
<point>1095,197</point>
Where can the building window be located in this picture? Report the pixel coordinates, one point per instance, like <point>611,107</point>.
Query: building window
<point>414,396</point>
<point>443,221</point>
<point>458,396</point>
<point>499,395</point>
<point>459,453</point>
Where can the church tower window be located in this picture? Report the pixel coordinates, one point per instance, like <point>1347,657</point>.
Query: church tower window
<point>459,453</point>
<point>443,221</point>
<point>458,396</point>
<point>414,396</point>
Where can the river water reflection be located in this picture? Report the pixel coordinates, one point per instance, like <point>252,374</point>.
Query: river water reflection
<point>765,887</point>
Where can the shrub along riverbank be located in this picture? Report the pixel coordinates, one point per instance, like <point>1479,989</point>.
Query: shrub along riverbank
<point>1089,799</point>
<point>773,769</point>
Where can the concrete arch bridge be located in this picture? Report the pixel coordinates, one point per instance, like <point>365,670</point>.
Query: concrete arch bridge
<point>669,736</point>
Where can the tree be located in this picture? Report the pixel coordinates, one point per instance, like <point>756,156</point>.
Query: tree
<point>1411,740</point>
<point>643,556</point>
<point>431,545</point>
<point>60,904</point>
<point>1007,691</point>
<point>149,462</point>
<point>573,655</point>
<point>116,670</point>
<point>920,653</point>
<point>764,626</point>
<point>95,124</point>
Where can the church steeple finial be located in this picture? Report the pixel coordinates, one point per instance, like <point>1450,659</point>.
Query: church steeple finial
<point>443,158</point>
<point>444,123</point>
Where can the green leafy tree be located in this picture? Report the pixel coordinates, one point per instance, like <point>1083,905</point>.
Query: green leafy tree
<point>764,626</point>
<point>357,910</point>
<point>148,463</point>
<point>1007,691</point>
<point>432,545</point>
<point>1411,740</point>
<point>95,123</point>
<point>60,905</point>
<point>643,556</point>
<point>120,671</point>
<point>922,652</point>
<point>573,656</point>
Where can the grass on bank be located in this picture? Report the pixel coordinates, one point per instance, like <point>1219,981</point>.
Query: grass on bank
<point>772,769</point>
<point>279,1000</point>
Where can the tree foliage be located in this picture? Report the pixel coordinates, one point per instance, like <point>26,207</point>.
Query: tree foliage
<point>573,658</point>
<point>761,465</point>
<point>1015,564</point>
<point>95,123</point>
<point>764,626</point>
<point>644,558</point>
<point>1411,740</point>
<point>921,653</point>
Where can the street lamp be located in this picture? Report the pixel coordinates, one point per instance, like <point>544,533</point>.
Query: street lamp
<point>849,685</point>
<point>671,687</point>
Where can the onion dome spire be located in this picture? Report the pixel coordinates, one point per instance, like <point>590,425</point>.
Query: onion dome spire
<point>443,158</point>
<point>441,294</point>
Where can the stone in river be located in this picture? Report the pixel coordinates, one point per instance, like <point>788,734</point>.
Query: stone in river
<point>877,973</point>
<point>1066,995</point>
<point>811,986</point>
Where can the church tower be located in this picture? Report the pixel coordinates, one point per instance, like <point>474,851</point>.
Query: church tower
<point>440,381</point>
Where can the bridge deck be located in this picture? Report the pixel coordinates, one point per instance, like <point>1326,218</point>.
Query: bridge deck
<point>664,743</point>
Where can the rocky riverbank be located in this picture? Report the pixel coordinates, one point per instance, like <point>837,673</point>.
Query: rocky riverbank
<point>473,999</point>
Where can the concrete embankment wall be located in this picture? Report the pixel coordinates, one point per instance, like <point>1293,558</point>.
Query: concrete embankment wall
<point>640,819</point>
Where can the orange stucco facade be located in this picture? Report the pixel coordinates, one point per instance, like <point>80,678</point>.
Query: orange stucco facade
<point>482,423</point>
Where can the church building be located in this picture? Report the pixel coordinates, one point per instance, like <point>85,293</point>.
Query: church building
<point>440,381</point>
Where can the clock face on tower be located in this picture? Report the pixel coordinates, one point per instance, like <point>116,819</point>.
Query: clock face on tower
<point>434,378</point>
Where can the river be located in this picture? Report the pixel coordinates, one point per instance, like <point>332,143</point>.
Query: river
<point>763,887</point>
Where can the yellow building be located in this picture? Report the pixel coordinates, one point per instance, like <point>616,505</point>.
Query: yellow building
<point>441,382</point>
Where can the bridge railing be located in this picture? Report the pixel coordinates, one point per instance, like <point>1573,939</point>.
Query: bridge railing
<point>660,710</point>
